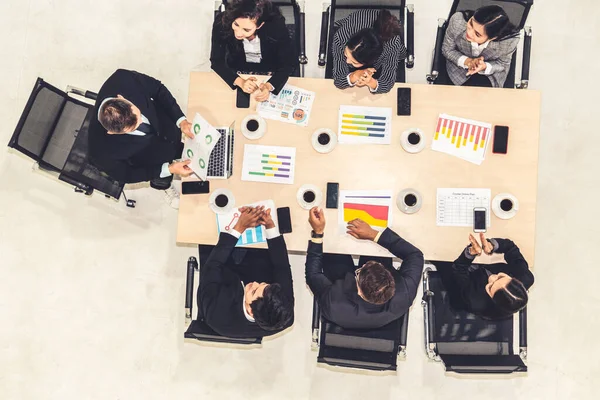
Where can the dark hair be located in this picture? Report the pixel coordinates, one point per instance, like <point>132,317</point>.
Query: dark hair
<point>259,10</point>
<point>274,309</point>
<point>116,115</point>
<point>512,298</point>
<point>366,45</point>
<point>495,21</point>
<point>376,283</point>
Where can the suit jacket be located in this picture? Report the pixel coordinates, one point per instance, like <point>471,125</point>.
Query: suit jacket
<point>471,279</point>
<point>131,158</point>
<point>278,52</point>
<point>339,301</point>
<point>221,295</point>
<point>498,53</point>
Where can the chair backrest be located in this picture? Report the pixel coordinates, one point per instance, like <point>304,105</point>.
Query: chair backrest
<point>517,10</point>
<point>199,330</point>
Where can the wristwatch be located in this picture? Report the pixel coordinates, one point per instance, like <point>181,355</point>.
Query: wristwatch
<point>315,235</point>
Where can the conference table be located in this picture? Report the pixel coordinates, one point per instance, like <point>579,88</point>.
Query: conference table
<point>379,167</point>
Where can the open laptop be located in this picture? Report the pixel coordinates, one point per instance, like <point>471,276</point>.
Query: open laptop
<point>220,164</point>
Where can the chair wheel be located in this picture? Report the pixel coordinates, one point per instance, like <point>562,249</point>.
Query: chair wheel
<point>131,203</point>
<point>89,192</point>
<point>77,190</point>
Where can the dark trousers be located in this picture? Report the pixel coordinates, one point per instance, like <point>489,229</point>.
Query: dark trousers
<point>476,80</point>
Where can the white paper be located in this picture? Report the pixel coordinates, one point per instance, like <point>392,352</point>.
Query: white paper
<point>372,206</point>
<point>365,125</point>
<point>292,105</point>
<point>455,205</point>
<point>461,137</point>
<point>226,222</point>
<point>271,164</point>
<point>199,148</point>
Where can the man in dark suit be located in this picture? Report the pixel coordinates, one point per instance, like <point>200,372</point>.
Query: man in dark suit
<point>137,132</point>
<point>374,294</point>
<point>247,292</point>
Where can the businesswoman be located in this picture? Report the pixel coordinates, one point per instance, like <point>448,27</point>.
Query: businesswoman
<point>367,48</point>
<point>250,36</point>
<point>492,291</point>
<point>478,47</point>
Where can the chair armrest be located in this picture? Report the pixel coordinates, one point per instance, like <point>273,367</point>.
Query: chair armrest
<point>427,303</point>
<point>523,333</point>
<point>410,35</point>
<point>302,33</point>
<point>403,337</point>
<point>526,59</point>
<point>82,92</point>
<point>192,265</point>
<point>316,319</point>
<point>437,51</point>
<point>324,33</point>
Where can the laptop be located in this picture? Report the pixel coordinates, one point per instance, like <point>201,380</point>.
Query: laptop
<point>220,164</point>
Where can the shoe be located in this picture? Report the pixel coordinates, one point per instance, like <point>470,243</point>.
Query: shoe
<point>172,197</point>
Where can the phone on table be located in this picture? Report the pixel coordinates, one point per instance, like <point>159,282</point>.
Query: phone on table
<point>243,99</point>
<point>195,187</point>
<point>500,139</point>
<point>479,219</point>
<point>284,220</point>
<point>403,101</point>
<point>332,195</point>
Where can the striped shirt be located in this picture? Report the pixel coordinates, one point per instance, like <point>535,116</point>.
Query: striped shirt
<point>386,65</point>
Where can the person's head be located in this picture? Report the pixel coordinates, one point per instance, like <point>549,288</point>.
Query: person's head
<point>375,283</point>
<point>506,292</point>
<point>268,305</point>
<point>119,115</point>
<point>245,17</point>
<point>488,23</point>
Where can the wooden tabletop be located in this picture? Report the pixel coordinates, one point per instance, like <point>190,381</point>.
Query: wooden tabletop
<point>380,167</point>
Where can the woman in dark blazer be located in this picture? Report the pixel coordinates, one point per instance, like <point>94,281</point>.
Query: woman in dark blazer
<point>251,37</point>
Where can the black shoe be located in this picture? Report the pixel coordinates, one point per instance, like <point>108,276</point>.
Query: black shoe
<point>161,183</point>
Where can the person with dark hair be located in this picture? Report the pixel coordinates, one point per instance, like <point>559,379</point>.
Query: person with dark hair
<point>136,134</point>
<point>478,47</point>
<point>367,48</point>
<point>247,292</point>
<point>493,291</point>
<point>250,36</point>
<point>367,297</point>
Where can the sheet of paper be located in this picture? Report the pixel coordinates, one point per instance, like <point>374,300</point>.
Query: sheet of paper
<point>463,138</point>
<point>372,206</point>
<point>455,205</point>
<point>226,222</point>
<point>292,105</point>
<point>364,125</point>
<point>199,148</point>
<point>270,164</point>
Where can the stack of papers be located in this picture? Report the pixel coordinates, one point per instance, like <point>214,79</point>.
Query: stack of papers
<point>199,148</point>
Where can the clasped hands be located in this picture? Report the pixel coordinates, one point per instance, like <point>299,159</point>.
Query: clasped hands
<point>251,217</point>
<point>251,85</point>
<point>475,65</point>
<point>363,77</point>
<point>356,228</point>
<point>476,249</point>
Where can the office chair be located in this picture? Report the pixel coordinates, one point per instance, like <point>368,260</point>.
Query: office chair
<point>339,9</point>
<point>198,329</point>
<point>293,12</point>
<point>464,342</point>
<point>53,131</point>
<point>517,11</point>
<point>373,349</point>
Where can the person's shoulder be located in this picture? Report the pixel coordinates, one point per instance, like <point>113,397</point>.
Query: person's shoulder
<point>457,20</point>
<point>275,28</point>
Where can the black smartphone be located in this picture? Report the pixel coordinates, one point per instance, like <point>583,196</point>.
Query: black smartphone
<point>195,187</point>
<point>284,220</point>
<point>332,195</point>
<point>500,139</point>
<point>479,219</point>
<point>404,101</point>
<point>243,99</point>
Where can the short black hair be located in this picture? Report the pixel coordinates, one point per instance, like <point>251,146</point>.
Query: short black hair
<point>366,46</point>
<point>116,115</point>
<point>511,298</point>
<point>495,21</point>
<point>376,283</point>
<point>274,310</point>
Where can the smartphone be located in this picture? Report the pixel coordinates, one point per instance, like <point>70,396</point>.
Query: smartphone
<point>479,219</point>
<point>284,220</point>
<point>243,99</point>
<point>403,101</point>
<point>500,139</point>
<point>333,189</point>
<point>195,187</point>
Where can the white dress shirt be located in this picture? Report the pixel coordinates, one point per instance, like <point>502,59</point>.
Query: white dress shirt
<point>477,50</point>
<point>252,50</point>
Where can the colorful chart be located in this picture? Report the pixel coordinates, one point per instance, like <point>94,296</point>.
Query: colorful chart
<point>371,214</point>
<point>374,207</point>
<point>226,222</point>
<point>463,138</point>
<point>201,146</point>
<point>365,125</point>
<point>269,164</point>
<point>292,105</point>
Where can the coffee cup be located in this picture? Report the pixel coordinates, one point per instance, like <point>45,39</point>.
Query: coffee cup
<point>412,140</point>
<point>409,201</point>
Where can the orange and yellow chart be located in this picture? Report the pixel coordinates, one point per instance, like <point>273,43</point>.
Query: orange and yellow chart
<point>463,138</point>
<point>374,207</point>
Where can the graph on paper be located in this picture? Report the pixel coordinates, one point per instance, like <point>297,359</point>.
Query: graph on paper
<point>270,164</point>
<point>374,207</point>
<point>455,205</point>
<point>463,138</point>
<point>292,105</point>
<point>226,222</point>
<point>361,125</point>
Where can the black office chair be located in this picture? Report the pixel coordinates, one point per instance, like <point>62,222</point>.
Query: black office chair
<point>464,342</point>
<point>517,11</point>
<point>342,8</point>
<point>293,12</point>
<point>198,329</point>
<point>53,130</point>
<point>374,349</point>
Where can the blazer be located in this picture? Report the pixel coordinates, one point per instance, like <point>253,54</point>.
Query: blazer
<point>339,301</point>
<point>221,295</point>
<point>278,52</point>
<point>471,279</point>
<point>132,158</point>
<point>498,53</point>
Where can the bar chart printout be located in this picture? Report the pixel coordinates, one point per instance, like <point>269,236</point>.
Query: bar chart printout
<point>463,138</point>
<point>226,222</point>
<point>270,164</point>
<point>455,206</point>
<point>363,125</point>
<point>372,206</point>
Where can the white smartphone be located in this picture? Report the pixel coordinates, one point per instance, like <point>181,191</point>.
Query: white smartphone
<point>479,219</point>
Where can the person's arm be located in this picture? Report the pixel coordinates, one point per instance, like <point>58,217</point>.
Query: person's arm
<point>218,53</point>
<point>287,58</point>
<point>157,91</point>
<point>517,266</point>
<point>453,31</point>
<point>502,62</point>
<point>316,280</point>
<point>341,71</point>
<point>394,54</point>
<point>124,172</point>
<point>282,272</point>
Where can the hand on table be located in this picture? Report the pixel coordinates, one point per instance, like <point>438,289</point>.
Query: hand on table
<point>249,218</point>
<point>366,77</point>
<point>316,219</point>
<point>266,219</point>
<point>180,168</point>
<point>359,229</point>
<point>247,85</point>
<point>263,92</point>
<point>186,128</point>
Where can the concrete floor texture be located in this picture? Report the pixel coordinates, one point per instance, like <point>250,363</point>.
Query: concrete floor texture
<point>91,292</point>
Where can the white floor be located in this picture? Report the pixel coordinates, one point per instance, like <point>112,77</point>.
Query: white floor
<point>91,292</point>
